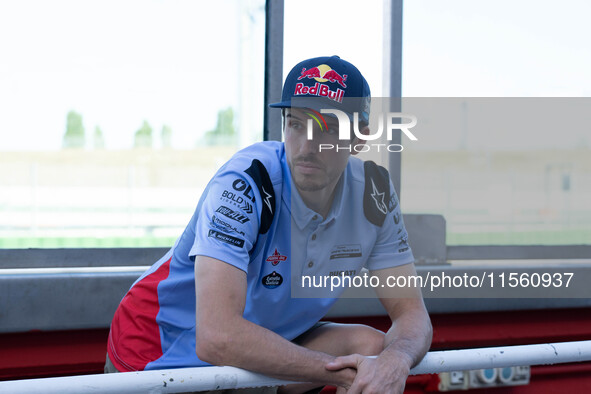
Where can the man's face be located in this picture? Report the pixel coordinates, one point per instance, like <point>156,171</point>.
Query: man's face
<point>312,170</point>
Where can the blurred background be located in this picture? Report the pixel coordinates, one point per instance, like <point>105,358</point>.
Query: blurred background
<point>114,115</point>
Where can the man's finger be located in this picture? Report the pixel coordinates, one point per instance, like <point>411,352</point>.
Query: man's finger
<point>350,361</point>
<point>356,387</point>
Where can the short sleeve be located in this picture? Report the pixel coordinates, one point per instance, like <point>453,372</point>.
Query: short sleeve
<point>228,224</point>
<point>391,248</point>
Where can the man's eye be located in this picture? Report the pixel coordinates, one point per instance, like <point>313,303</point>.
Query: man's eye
<point>332,131</point>
<point>294,124</point>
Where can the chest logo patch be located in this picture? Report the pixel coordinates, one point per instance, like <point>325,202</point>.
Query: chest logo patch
<point>276,258</point>
<point>272,281</point>
<point>345,251</point>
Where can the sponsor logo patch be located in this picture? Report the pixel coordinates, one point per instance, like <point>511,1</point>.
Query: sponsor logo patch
<point>343,273</point>
<point>230,214</point>
<point>260,176</point>
<point>276,258</point>
<point>321,74</point>
<point>403,239</point>
<point>272,280</point>
<point>268,199</point>
<point>226,238</point>
<point>345,251</point>
<point>235,199</point>
<point>403,243</point>
<point>378,197</point>
<point>240,185</point>
<point>392,203</point>
<point>224,226</point>
<point>376,193</point>
<point>321,90</point>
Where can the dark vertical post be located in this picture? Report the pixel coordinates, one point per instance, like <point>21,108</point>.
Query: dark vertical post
<point>393,75</point>
<point>273,68</point>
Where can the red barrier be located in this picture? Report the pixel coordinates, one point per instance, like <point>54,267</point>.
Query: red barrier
<point>57,353</point>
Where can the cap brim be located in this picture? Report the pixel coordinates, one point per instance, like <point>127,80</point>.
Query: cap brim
<point>315,103</point>
<point>282,104</point>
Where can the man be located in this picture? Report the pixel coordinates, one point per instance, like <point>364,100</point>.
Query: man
<point>274,213</point>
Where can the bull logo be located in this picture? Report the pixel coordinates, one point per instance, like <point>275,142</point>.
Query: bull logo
<point>324,73</point>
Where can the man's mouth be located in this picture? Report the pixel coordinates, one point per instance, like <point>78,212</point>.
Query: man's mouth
<point>308,166</point>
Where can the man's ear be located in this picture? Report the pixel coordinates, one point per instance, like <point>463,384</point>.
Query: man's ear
<point>283,122</point>
<point>358,141</point>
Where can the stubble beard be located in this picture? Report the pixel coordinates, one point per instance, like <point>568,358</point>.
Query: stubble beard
<point>305,184</point>
<point>308,183</point>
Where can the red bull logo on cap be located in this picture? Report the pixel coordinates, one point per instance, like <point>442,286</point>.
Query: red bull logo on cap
<point>322,73</point>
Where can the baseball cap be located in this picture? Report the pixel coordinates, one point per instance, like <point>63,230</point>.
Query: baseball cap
<point>327,82</point>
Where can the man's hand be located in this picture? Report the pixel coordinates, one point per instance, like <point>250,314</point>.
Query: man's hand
<point>405,343</point>
<point>375,375</point>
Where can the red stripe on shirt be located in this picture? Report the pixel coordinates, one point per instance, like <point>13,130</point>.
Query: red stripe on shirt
<point>134,339</point>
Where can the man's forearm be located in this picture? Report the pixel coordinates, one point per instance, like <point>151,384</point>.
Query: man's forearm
<point>410,335</point>
<point>224,337</point>
<point>257,349</point>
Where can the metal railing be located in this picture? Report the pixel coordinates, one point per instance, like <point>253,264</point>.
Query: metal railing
<point>218,378</point>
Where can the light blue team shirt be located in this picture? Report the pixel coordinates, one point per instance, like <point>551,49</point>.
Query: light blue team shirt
<point>251,217</point>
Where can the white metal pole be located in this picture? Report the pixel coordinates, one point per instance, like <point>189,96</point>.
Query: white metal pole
<point>507,356</point>
<point>217,378</point>
<point>179,380</point>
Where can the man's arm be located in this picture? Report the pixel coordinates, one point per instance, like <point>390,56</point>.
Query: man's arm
<point>411,331</point>
<point>224,337</point>
<point>405,343</point>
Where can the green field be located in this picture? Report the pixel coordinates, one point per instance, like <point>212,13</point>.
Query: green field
<point>144,198</point>
<point>570,237</point>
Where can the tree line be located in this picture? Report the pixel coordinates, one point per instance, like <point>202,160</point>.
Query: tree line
<point>75,135</point>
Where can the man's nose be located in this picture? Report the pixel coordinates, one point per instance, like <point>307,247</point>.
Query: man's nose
<point>309,138</point>
<point>310,145</point>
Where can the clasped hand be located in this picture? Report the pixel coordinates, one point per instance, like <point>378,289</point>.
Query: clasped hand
<point>374,375</point>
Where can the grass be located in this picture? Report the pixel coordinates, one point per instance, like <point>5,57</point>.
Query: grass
<point>564,237</point>
<point>85,242</point>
